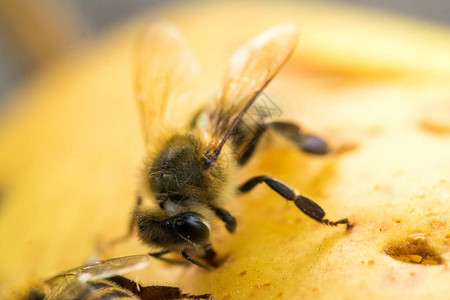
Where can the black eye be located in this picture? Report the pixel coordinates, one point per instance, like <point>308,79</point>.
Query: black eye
<point>191,227</point>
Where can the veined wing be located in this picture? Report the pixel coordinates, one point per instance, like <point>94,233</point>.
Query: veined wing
<point>251,68</point>
<point>163,68</point>
<point>73,281</point>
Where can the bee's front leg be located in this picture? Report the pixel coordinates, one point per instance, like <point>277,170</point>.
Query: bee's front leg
<point>226,217</point>
<point>307,206</point>
<point>209,254</point>
<point>159,255</point>
<point>196,262</point>
<point>131,225</point>
<point>103,246</point>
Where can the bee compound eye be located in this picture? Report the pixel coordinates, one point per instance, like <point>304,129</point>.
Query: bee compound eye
<point>190,226</point>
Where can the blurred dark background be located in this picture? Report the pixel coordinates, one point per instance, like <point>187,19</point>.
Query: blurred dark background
<point>32,32</point>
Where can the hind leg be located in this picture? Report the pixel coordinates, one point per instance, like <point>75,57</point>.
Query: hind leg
<point>307,206</point>
<point>308,143</point>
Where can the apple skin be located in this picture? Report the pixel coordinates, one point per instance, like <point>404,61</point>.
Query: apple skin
<point>71,148</point>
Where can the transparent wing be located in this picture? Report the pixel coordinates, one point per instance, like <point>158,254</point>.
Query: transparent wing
<point>72,282</point>
<point>164,66</point>
<point>69,288</point>
<point>250,69</point>
<point>110,267</point>
<point>253,64</point>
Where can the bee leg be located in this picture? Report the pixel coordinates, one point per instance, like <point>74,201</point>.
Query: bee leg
<point>307,206</point>
<point>209,252</point>
<point>306,142</point>
<point>256,132</point>
<point>131,226</point>
<point>102,246</point>
<point>226,217</point>
<point>204,296</point>
<point>159,255</point>
<point>195,262</point>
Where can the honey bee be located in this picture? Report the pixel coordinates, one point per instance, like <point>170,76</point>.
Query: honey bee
<point>190,166</point>
<point>102,280</point>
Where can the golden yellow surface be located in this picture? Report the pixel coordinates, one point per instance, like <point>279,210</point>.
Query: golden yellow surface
<point>376,86</point>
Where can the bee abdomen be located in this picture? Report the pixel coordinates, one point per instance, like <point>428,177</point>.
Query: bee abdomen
<point>107,290</point>
<point>161,293</point>
<point>147,292</point>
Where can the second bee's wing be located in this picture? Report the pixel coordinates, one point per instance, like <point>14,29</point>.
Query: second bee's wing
<point>72,282</point>
<point>68,288</point>
<point>163,68</point>
<point>110,267</point>
<point>250,69</point>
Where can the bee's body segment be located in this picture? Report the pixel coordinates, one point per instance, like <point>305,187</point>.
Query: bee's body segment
<point>104,289</point>
<point>176,176</point>
<point>189,169</point>
<point>185,195</point>
<point>152,292</point>
<point>102,281</point>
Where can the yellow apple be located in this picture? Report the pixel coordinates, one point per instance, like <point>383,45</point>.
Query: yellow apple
<point>376,86</point>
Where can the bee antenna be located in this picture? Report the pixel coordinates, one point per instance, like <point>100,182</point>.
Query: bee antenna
<point>211,157</point>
